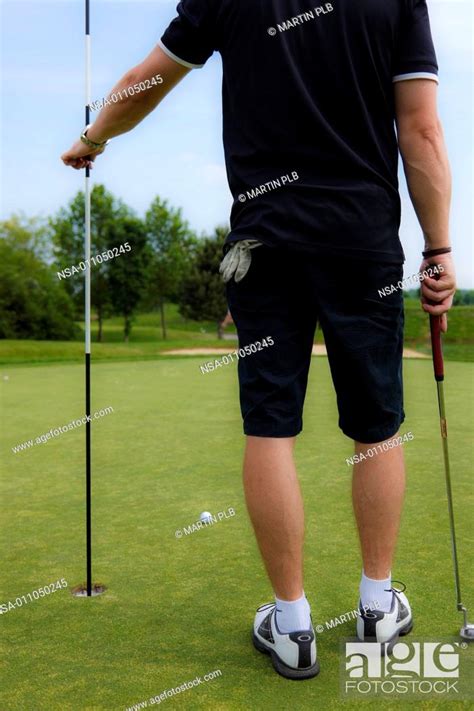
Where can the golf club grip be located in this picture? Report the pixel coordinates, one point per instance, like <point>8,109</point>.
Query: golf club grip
<point>438,363</point>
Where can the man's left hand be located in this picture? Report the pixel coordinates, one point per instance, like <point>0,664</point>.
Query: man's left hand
<point>437,294</point>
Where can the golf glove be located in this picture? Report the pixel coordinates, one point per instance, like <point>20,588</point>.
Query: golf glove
<point>238,259</point>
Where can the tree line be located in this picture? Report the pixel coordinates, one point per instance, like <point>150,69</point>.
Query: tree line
<point>137,264</point>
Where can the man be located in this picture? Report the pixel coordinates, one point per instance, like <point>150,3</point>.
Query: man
<point>311,97</point>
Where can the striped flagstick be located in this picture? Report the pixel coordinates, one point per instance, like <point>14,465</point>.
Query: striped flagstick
<point>87,298</point>
<point>89,589</point>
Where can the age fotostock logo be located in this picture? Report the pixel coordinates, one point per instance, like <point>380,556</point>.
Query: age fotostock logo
<point>421,668</point>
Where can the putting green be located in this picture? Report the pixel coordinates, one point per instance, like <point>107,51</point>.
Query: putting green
<point>181,607</point>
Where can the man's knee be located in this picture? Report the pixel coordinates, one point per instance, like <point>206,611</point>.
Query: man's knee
<point>255,442</point>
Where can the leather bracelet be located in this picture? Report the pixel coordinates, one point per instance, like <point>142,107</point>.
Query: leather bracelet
<point>435,252</point>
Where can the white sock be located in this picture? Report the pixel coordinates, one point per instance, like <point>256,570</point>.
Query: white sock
<point>294,615</point>
<point>376,594</point>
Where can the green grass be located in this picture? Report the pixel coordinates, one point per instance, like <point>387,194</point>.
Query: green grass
<point>146,341</point>
<point>37,352</point>
<point>460,324</point>
<point>174,608</point>
<point>458,342</point>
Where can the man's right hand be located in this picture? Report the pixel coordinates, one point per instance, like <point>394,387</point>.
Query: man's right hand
<point>80,155</point>
<point>437,294</point>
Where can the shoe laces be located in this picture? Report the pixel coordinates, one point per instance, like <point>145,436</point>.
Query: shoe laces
<point>396,590</point>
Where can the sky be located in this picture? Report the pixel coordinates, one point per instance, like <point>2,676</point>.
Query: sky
<point>177,151</point>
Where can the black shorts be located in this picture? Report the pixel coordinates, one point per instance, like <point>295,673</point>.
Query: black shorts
<point>283,296</point>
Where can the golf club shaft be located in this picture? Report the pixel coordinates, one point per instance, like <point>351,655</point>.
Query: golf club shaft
<point>438,365</point>
<point>87,299</point>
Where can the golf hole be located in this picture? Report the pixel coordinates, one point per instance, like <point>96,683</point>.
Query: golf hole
<point>81,590</point>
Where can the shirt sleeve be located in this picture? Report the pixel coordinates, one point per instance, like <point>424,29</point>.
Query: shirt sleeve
<point>416,57</point>
<point>190,38</point>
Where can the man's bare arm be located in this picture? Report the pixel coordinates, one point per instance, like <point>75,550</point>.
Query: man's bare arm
<point>426,164</point>
<point>425,159</point>
<point>120,117</point>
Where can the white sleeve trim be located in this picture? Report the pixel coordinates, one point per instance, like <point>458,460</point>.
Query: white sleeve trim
<point>416,75</point>
<point>178,59</point>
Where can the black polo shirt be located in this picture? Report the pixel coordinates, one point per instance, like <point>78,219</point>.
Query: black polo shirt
<point>309,135</point>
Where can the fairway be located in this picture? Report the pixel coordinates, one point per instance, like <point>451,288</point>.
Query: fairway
<point>181,607</point>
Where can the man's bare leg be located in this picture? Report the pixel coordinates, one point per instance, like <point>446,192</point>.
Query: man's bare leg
<point>275,507</point>
<point>378,487</point>
<point>274,503</point>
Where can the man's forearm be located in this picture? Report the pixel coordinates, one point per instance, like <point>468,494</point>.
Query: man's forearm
<point>120,117</point>
<point>429,181</point>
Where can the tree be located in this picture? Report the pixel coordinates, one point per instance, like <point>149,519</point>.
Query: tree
<point>127,272</point>
<point>202,296</point>
<point>30,233</point>
<point>463,297</point>
<point>68,239</point>
<point>173,246</point>
<point>33,303</point>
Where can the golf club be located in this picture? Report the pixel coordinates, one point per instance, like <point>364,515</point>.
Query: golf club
<point>467,630</point>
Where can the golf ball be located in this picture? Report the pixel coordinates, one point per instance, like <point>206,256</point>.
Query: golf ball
<point>5,377</point>
<point>205,517</point>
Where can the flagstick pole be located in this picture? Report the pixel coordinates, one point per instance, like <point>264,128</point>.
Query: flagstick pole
<point>87,254</point>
